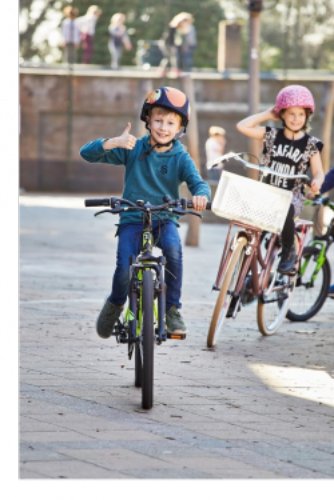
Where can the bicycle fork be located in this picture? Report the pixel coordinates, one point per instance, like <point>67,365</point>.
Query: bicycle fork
<point>134,313</point>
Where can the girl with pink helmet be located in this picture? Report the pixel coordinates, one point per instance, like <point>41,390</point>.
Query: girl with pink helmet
<point>289,149</point>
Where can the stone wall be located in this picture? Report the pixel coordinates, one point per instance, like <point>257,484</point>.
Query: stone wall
<point>62,109</point>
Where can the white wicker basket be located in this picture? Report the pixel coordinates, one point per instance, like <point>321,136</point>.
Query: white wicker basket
<point>251,202</point>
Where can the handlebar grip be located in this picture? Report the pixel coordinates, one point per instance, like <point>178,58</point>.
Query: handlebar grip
<point>190,205</point>
<point>98,202</point>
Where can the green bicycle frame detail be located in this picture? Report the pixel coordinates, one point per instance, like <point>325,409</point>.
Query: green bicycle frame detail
<point>321,257</point>
<point>129,316</point>
<point>140,312</point>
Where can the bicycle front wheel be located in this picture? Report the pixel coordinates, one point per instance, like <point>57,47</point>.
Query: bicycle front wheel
<point>227,288</point>
<point>311,287</point>
<point>135,344</point>
<point>147,340</point>
<point>273,304</point>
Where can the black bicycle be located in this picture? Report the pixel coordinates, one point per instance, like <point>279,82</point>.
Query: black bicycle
<point>143,323</point>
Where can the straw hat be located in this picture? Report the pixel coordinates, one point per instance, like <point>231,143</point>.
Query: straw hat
<point>181,16</point>
<point>216,130</point>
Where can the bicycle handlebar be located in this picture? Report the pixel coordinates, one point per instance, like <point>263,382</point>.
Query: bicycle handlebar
<point>320,200</point>
<point>261,168</point>
<point>98,202</point>
<point>118,205</point>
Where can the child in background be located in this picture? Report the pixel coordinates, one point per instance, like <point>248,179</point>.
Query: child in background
<point>155,166</point>
<point>288,149</point>
<point>118,39</point>
<point>71,34</point>
<point>214,147</point>
<point>87,25</point>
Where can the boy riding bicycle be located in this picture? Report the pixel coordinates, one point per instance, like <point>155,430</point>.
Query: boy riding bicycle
<point>288,149</point>
<point>155,166</point>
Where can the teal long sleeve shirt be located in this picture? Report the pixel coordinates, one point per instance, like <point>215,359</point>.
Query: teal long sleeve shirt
<point>149,176</point>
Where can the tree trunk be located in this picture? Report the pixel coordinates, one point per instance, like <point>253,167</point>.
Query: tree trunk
<point>192,237</point>
<point>318,218</point>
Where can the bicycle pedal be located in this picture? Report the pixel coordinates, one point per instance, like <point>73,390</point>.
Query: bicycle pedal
<point>122,339</point>
<point>176,336</point>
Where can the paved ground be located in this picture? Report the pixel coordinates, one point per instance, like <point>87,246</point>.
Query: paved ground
<point>252,408</point>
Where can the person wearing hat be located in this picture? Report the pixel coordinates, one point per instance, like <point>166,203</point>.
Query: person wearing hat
<point>155,166</point>
<point>180,44</point>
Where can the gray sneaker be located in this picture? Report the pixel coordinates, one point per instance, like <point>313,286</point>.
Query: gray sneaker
<point>175,323</point>
<point>107,318</point>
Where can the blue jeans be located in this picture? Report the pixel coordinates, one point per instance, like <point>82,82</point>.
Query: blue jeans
<point>166,237</point>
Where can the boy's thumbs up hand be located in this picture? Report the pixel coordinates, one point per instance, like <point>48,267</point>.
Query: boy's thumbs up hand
<point>126,140</point>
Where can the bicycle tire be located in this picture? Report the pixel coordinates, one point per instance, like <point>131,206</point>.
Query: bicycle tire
<point>273,303</point>
<point>306,300</point>
<point>133,306</point>
<point>147,340</point>
<point>223,300</point>
<point>138,366</point>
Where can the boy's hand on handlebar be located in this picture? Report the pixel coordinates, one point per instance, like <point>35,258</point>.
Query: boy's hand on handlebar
<point>199,203</point>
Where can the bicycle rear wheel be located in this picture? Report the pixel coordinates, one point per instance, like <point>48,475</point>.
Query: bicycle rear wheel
<point>274,301</point>
<point>147,340</point>
<point>311,287</point>
<point>227,287</point>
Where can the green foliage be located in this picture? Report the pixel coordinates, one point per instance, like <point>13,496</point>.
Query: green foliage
<point>294,34</point>
<point>148,20</point>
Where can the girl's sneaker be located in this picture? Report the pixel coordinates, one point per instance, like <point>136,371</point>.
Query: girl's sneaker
<point>331,291</point>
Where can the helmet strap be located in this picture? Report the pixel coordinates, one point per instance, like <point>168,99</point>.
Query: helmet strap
<point>158,145</point>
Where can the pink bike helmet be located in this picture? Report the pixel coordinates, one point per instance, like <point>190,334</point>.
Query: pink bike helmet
<point>294,95</point>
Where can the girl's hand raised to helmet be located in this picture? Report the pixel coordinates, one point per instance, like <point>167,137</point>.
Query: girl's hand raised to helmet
<point>125,140</point>
<point>272,115</point>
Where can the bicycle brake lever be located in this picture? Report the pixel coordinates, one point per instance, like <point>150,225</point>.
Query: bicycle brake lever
<point>217,162</point>
<point>107,210</point>
<point>194,213</point>
<point>110,211</point>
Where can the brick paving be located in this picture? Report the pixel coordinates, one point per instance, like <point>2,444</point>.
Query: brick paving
<point>253,408</point>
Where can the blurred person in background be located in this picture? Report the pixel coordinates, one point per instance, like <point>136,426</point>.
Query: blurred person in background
<point>87,25</point>
<point>71,34</point>
<point>214,147</point>
<point>180,43</point>
<point>118,39</point>
<point>185,40</point>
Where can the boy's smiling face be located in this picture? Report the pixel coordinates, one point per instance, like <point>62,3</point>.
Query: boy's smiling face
<point>164,125</point>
